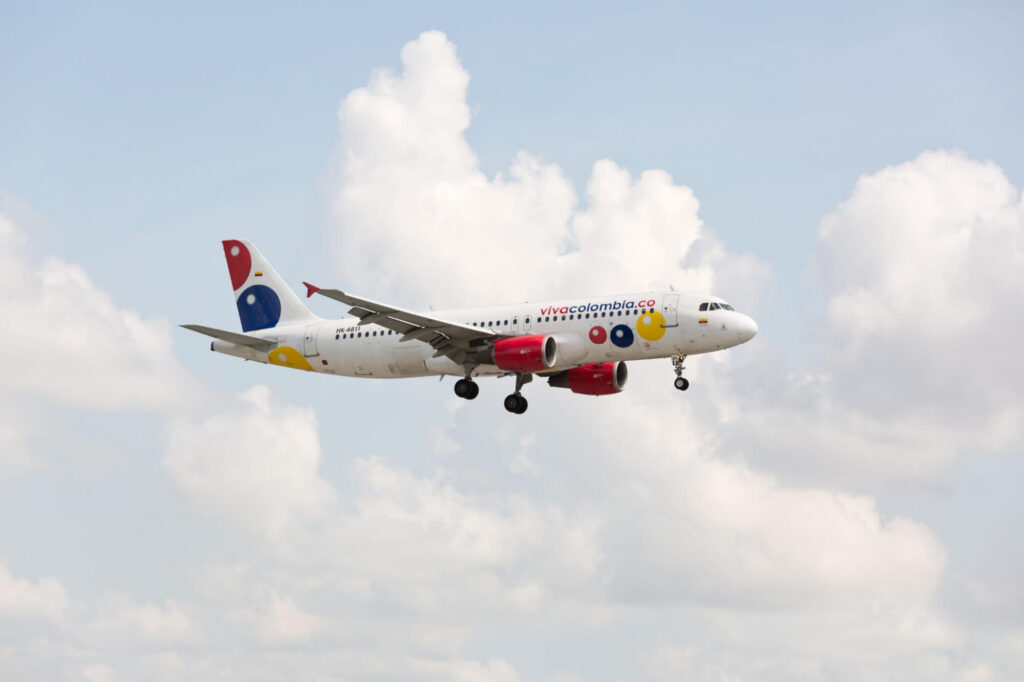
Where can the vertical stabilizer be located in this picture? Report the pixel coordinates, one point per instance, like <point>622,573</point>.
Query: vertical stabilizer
<point>262,297</point>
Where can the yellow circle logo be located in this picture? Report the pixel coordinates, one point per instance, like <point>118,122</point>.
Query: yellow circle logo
<point>650,326</point>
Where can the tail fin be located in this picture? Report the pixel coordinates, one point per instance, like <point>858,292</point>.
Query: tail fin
<point>262,297</point>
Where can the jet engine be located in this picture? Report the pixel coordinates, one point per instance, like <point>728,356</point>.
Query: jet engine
<point>534,353</point>
<point>599,378</point>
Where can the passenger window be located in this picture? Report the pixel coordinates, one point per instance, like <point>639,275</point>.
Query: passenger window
<point>506,323</point>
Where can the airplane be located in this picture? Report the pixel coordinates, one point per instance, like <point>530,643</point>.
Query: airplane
<point>582,345</point>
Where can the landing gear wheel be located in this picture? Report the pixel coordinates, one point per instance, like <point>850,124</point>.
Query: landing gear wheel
<point>677,365</point>
<point>465,388</point>
<point>515,403</point>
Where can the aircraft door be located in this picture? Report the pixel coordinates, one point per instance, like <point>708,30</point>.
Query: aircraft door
<point>669,308</point>
<point>310,348</point>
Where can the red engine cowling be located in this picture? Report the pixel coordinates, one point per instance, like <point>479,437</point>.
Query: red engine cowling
<point>600,378</point>
<point>525,353</point>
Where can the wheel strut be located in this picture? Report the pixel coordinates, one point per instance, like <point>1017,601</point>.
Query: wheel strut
<point>677,365</point>
<point>515,402</point>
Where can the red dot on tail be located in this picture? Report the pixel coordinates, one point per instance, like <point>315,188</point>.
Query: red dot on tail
<point>239,262</point>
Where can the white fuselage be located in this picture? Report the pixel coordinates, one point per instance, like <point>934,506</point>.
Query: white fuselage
<point>624,327</point>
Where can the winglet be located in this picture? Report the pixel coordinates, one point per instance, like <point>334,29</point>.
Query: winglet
<point>310,289</point>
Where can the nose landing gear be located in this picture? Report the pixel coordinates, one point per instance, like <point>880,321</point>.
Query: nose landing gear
<point>677,364</point>
<point>515,402</point>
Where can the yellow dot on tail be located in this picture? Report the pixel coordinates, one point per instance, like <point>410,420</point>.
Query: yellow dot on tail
<point>650,326</point>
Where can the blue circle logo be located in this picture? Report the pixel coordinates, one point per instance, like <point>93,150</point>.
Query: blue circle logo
<point>622,336</point>
<point>258,308</point>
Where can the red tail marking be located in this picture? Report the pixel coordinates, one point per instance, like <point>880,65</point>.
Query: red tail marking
<point>239,262</point>
<point>310,289</point>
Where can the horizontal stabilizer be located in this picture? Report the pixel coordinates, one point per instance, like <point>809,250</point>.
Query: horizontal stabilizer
<point>233,337</point>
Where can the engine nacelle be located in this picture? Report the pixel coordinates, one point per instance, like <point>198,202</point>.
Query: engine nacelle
<point>572,348</point>
<point>534,353</point>
<point>599,378</point>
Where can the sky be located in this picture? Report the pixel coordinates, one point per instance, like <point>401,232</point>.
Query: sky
<point>835,500</point>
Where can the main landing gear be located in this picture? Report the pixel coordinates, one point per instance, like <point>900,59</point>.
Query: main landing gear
<point>467,388</point>
<point>515,402</point>
<point>677,364</point>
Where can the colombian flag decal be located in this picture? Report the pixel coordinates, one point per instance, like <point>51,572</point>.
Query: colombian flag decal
<point>702,320</point>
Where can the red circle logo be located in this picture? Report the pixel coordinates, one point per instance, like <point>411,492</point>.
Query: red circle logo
<point>598,335</point>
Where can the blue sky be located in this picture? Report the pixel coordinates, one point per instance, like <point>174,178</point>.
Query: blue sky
<point>769,113</point>
<point>133,139</point>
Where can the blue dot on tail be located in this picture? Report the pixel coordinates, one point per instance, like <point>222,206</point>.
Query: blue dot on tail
<point>622,336</point>
<point>258,308</point>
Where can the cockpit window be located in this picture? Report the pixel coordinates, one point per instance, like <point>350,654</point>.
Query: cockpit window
<point>703,306</point>
<point>727,306</point>
<point>714,306</point>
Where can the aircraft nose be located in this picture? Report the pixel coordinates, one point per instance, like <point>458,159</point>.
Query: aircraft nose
<point>746,328</point>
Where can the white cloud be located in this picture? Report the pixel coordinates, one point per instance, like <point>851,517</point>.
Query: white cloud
<point>65,339</point>
<point>43,599</point>
<point>419,218</point>
<point>922,268</point>
<point>255,463</point>
<point>98,672</point>
<point>123,619</point>
<point>426,547</point>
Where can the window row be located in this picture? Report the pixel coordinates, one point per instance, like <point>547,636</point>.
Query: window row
<point>587,316</point>
<point>540,318</point>
<point>359,335</point>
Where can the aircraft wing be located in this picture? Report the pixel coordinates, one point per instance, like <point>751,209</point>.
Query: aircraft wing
<point>233,337</point>
<point>453,339</point>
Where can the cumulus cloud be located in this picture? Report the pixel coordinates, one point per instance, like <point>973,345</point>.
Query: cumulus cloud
<point>418,218</point>
<point>66,339</point>
<point>43,599</point>
<point>254,463</point>
<point>916,352</point>
<point>922,268</point>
